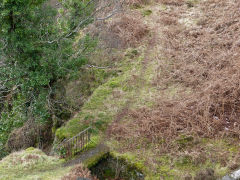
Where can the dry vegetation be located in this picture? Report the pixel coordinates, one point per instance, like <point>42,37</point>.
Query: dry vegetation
<point>198,52</point>
<point>136,3</point>
<point>79,172</point>
<point>129,28</point>
<point>204,60</point>
<point>126,30</point>
<point>172,2</point>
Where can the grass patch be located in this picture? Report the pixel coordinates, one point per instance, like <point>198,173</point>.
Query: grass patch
<point>102,106</point>
<point>146,12</point>
<point>194,156</point>
<point>31,164</point>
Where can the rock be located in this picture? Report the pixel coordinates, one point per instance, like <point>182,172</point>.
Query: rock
<point>227,178</point>
<point>235,175</point>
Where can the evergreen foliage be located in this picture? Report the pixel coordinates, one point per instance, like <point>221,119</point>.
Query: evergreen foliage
<point>35,53</point>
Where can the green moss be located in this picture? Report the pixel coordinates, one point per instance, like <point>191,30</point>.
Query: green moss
<point>131,159</point>
<point>30,149</point>
<point>166,172</point>
<point>134,161</point>
<point>135,52</point>
<point>184,162</point>
<point>85,118</point>
<point>98,97</point>
<point>188,164</point>
<point>184,141</point>
<point>109,173</point>
<point>168,166</point>
<point>164,169</point>
<point>132,53</point>
<point>60,134</point>
<point>146,12</point>
<point>90,162</point>
<point>114,82</point>
<point>101,107</point>
<point>191,3</point>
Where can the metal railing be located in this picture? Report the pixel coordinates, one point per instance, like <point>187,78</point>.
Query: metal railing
<point>76,144</point>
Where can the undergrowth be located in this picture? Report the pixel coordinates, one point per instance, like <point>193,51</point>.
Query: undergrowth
<point>106,101</point>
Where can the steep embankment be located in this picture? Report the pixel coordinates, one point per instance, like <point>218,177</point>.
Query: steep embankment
<point>173,109</point>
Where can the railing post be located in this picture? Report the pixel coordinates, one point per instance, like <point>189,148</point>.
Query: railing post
<point>77,143</point>
<point>88,136</point>
<point>81,142</point>
<point>84,141</point>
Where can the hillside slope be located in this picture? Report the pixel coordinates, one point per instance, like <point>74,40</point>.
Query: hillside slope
<point>174,108</point>
<point>171,109</point>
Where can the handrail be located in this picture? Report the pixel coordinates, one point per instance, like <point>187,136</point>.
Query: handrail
<point>75,144</point>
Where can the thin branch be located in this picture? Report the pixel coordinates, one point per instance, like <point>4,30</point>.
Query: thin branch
<point>97,67</point>
<point>76,29</point>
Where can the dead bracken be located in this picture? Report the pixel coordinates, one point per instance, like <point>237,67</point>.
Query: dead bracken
<point>79,172</point>
<point>203,60</point>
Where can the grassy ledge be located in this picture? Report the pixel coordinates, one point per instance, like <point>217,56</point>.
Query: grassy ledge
<point>220,155</point>
<point>106,100</point>
<point>31,164</point>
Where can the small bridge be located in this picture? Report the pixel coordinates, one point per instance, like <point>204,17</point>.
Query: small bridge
<point>76,144</point>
